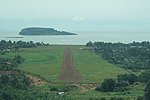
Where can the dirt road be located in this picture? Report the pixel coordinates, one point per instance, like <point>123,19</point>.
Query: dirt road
<point>69,73</point>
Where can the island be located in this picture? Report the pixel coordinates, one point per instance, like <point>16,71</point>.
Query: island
<point>43,31</point>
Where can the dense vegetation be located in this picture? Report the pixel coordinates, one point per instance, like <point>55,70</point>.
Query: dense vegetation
<point>133,56</point>
<point>122,84</point>
<point>147,91</point>
<point>119,85</point>
<point>9,62</point>
<point>13,46</point>
<point>17,86</point>
<point>43,31</point>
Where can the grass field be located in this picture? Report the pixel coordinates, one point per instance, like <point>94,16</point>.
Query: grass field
<point>92,67</point>
<point>47,62</point>
<point>43,61</point>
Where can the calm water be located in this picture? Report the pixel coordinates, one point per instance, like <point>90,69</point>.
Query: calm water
<point>82,37</point>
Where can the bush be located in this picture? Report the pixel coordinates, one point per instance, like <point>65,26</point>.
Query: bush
<point>53,89</point>
<point>120,89</point>
<point>19,81</point>
<point>147,91</point>
<point>140,98</point>
<point>122,84</point>
<point>113,98</point>
<point>131,78</point>
<point>107,85</point>
<point>102,99</point>
<point>144,76</point>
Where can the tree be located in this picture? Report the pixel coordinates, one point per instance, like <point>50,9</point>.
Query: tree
<point>131,78</point>
<point>116,98</point>
<point>19,81</point>
<point>140,98</point>
<point>102,99</point>
<point>17,59</point>
<point>133,56</point>
<point>121,86</point>
<point>144,76</point>
<point>107,85</point>
<point>4,79</point>
<point>89,44</point>
<point>147,91</point>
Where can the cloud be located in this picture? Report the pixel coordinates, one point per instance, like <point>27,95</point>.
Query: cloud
<point>79,18</point>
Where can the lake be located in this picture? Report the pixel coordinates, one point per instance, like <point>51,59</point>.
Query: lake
<point>82,37</point>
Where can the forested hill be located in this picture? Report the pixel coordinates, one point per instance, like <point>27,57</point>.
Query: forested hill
<point>43,31</point>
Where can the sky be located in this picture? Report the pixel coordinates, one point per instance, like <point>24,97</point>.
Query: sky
<point>75,15</point>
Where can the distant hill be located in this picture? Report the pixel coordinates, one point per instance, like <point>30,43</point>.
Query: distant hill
<point>43,31</point>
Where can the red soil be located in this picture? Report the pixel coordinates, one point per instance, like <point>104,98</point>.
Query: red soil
<point>36,80</point>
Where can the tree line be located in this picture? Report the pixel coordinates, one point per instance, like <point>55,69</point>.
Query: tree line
<point>133,56</point>
<point>13,46</point>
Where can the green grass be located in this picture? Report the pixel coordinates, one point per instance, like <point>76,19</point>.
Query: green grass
<point>43,61</point>
<point>47,62</point>
<point>92,67</point>
<point>131,93</point>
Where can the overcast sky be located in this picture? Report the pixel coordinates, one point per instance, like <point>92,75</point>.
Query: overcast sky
<point>75,15</point>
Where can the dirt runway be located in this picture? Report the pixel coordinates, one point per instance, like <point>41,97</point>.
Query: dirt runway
<point>69,73</point>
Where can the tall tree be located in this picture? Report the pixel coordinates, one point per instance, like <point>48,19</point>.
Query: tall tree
<point>147,91</point>
<point>107,85</point>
